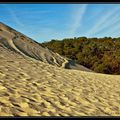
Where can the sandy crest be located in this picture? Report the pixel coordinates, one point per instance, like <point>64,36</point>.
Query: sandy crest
<point>32,88</point>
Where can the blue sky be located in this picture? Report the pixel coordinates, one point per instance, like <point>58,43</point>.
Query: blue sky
<point>43,22</point>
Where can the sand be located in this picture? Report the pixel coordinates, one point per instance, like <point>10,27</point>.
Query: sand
<point>16,41</point>
<point>34,88</point>
<point>34,82</point>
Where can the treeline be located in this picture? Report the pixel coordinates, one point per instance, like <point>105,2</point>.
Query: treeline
<point>99,54</point>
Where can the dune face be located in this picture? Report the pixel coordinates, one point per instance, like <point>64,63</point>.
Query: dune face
<point>27,47</point>
<point>32,86</point>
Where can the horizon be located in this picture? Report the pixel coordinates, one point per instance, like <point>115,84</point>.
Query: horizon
<point>44,22</point>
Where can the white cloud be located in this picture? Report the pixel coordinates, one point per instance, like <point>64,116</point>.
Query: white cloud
<point>113,30</point>
<point>30,15</point>
<point>105,21</point>
<point>77,17</point>
<point>34,12</point>
<point>110,25</point>
<point>14,16</point>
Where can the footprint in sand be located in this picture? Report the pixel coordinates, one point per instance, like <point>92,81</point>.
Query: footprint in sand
<point>1,74</point>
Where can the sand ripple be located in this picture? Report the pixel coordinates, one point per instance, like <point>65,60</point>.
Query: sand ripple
<point>31,88</point>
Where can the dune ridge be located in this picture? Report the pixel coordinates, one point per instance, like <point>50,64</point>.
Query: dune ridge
<point>30,48</point>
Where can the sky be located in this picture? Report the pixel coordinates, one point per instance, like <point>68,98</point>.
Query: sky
<point>43,22</point>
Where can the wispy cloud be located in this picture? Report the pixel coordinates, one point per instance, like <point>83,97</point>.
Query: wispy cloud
<point>105,21</point>
<point>111,23</point>
<point>37,15</point>
<point>14,16</point>
<point>113,30</point>
<point>77,17</point>
<point>33,12</point>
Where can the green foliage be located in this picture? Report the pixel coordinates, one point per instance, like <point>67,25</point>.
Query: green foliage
<point>99,54</point>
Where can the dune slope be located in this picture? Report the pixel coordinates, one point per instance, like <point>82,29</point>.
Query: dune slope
<point>27,47</point>
<point>31,86</point>
<point>35,88</point>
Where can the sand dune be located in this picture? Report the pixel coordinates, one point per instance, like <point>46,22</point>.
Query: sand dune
<point>34,88</point>
<point>29,48</point>
<point>30,87</point>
